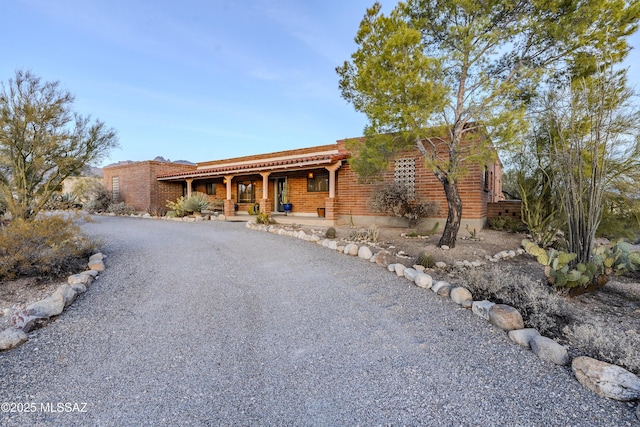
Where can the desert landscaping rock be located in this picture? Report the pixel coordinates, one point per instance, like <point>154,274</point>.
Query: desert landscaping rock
<point>441,264</point>
<point>481,308</point>
<point>68,294</point>
<point>606,379</point>
<point>391,267</point>
<point>505,317</point>
<point>523,336</point>
<point>399,269</point>
<point>410,274</point>
<point>79,288</point>
<point>423,280</point>
<point>12,338</point>
<point>549,350</point>
<point>97,257</point>
<point>460,294</point>
<point>444,291</point>
<point>385,258</point>
<point>80,278</point>
<point>48,307</point>
<point>351,249</point>
<point>438,284</point>
<point>364,252</point>
<point>97,265</point>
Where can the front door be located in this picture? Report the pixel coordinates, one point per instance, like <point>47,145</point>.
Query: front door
<point>281,184</point>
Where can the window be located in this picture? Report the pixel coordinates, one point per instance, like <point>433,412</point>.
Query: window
<point>405,172</point>
<point>115,188</point>
<point>211,188</point>
<point>487,178</point>
<point>317,183</point>
<point>247,192</point>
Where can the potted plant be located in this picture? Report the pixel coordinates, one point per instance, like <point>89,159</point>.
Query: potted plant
<point>284,197</point>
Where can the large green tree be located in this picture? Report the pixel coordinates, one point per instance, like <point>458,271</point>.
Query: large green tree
<point>42,142</point>
<point>438,74</point>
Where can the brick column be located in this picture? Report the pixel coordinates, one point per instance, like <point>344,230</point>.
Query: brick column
<point>266,205</point>
<point>228,208</point>
<point>329,208</point>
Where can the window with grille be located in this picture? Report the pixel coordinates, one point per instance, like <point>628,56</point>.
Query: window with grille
<point>211,188</point>
<point>405,172</point>
<point>115,187</point>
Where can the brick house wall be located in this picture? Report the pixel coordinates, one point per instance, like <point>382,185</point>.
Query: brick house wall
<point>477,188</point>
<point>138,186</point>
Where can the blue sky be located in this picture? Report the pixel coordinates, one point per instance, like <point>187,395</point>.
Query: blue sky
<point>194,79</point>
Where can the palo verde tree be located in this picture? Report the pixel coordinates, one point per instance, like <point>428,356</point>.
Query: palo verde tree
<point>440,75</point>
<point>42,142</point>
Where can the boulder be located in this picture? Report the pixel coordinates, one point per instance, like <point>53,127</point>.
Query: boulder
<point>460,294</point>
<point>351,249</point>
<point>441,264</point>
<point>505,317</point>
<point>333,245</point>
<point>364,252</point>
<point>423,280</point>
<point>400,269</point>
<point>24,321</point>
<point>523,336</point>
<point>97,257</point>
<point>80,278</point>
<point>437,285</point>
<point>466,303</point>
<point>68,294</point>
<point>391,267</point>
<point>606,379</point>
<point>48,307</point>
<point>419,267</point>
<point>410,273</point>
<point>11,338</point>
<point>96,265</point>
<point>444,290</point>
<point>549,350</point>
<point>385,258</point>
<point>481,308</point>
<point>79,288</point>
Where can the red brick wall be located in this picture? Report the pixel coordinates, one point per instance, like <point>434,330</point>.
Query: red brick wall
<point>354,198</point>
<point>140,188</point>
<point>505,208</point>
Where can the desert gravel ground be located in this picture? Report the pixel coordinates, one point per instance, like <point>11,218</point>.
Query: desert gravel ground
<point>214,324</point>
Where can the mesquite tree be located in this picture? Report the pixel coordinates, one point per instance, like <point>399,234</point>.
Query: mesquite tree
<point>438,74</point>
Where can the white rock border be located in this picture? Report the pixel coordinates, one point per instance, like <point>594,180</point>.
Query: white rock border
<point>545,348</point>
<point>25,319</point>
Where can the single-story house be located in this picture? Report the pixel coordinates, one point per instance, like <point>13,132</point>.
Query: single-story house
<point>318,181</point>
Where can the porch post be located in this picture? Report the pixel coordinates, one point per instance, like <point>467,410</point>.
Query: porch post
<point>264,202</point>
<point>332,178</point>
<point>189,181</point>
<point>330,202</point>
<point>228,203</point>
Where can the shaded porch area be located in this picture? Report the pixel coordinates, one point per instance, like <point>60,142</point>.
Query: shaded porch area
<point>297,186</point>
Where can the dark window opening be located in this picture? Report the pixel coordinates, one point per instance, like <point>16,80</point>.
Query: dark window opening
<point>318,183</point>
<point>247,192</point>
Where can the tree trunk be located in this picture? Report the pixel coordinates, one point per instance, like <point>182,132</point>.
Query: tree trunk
<point>454,205</point>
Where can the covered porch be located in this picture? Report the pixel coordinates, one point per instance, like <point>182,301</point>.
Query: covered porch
<point>293,187</point>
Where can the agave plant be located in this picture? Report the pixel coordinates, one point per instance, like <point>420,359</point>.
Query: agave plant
<point>198,202</point>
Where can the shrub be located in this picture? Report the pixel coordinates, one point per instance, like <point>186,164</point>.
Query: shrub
<point>540,307</point>
<point>331,233</point>
<point>63,201</point>
<point>121,208</point>
<point>400,200</point>
<point>264,218</point>
<point>177,208</point>
<point>99,200</point>
<point>48,247</point>
<point>197,202</point>
<point>371,234</point>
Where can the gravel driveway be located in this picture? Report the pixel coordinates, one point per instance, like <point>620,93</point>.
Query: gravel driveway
<point>214,324</point>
